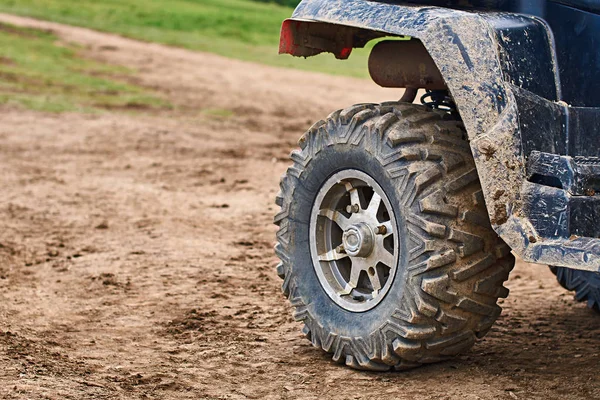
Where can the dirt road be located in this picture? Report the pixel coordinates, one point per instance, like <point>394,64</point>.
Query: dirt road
<point>136,252</point>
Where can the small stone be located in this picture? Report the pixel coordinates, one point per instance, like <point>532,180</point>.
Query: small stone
<point>102,225</point>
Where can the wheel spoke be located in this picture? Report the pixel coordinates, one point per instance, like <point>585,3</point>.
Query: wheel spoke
<point>332,255</point>
<point>336,217</point>
<point>386,258</point>
<point>354,195</point>
<point>355,273</point>
<point>374,204</point>
<point>375,281</point>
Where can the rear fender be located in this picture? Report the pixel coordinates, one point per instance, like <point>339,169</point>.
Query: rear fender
<point>486,60</point>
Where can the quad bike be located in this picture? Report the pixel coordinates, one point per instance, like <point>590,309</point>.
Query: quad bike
<point>398,220</point>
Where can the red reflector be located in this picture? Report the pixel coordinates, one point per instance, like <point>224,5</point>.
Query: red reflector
<point>286,39</point>
<point>344,53</point>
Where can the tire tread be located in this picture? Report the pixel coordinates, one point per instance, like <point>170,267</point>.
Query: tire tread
<point>457,263</point>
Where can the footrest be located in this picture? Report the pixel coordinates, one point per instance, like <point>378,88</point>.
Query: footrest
<point>562,195</point>
<point>580,176</point>
<point>581,253</point>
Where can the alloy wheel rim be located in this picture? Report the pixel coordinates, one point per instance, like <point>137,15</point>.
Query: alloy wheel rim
<point>354,240</point>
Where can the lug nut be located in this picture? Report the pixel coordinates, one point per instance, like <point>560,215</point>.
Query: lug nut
<point>340,249</point>
<point>381,230</point>
<point>353,209</point>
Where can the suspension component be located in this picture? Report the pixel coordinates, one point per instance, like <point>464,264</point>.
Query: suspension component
<point>439,100</point>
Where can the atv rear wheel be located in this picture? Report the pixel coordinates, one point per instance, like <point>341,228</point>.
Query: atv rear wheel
<point>386,249</point>
<point>585,284</point>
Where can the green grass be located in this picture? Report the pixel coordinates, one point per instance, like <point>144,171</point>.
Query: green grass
<point>240,29</point>
<point>38,72</point>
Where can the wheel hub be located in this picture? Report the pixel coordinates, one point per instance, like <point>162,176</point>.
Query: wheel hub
<point>353,240</point>
<point>358,240</point>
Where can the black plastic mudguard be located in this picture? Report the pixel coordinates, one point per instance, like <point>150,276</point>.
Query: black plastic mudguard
<point>489,60</point>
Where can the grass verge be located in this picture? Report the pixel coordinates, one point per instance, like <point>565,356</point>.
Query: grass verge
<point>39,72</point>
<point>240,29</point>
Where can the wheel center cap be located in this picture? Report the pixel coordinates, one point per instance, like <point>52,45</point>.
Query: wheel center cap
<point>358,240</point>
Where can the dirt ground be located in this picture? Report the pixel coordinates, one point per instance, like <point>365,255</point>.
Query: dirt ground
<point>136,252</point>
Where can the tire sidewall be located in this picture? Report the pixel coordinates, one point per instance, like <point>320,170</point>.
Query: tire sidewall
<point>331,316</point>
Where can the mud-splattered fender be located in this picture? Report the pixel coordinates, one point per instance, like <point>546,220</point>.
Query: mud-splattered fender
<point>484,59</point>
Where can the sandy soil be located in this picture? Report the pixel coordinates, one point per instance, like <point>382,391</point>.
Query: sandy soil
<point>136,252</point>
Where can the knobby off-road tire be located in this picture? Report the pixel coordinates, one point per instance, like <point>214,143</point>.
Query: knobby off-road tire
<point>585,284</point>
<point>451,266</point>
